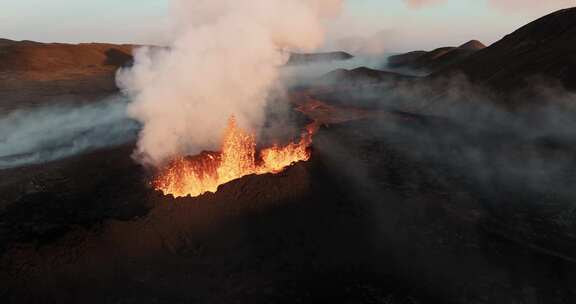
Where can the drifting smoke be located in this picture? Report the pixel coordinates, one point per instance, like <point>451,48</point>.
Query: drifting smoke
<point>58,131</point>
<point>511,161</point>
<point>223,60</point>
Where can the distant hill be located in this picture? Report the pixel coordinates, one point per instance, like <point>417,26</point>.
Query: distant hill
<point>545,48</point>
<point>472,45</point>
<point>428,62</point>
<point>307,58</point>
<point>33,73</point>
<point>59,61</point>
<point>53,61</point>
<point>7,42</point>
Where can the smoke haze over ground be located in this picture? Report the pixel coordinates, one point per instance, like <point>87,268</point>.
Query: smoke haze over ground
<point>57,131</point>
<point>305,73</point>
<point>223,61</point>
<point>472,132</point>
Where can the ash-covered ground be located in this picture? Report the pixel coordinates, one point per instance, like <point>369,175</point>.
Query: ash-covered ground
<point>374,217</point>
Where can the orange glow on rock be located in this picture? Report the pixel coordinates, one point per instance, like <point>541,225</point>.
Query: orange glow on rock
<point>196,175</point>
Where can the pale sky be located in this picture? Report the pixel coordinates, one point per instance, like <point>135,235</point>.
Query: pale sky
<point>406,27</point>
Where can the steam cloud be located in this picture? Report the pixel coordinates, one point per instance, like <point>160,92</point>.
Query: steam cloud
<point>223,60</point>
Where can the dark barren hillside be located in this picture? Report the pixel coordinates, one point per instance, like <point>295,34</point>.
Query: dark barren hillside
<point>393,206</point>
<point>545,48</point>
<point>427,62</point>
<point>526,67</point>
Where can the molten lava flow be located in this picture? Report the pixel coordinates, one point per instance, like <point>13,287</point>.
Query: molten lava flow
<point>205,172</point>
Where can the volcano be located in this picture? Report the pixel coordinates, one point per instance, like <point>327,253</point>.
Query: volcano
<point>363,202</point>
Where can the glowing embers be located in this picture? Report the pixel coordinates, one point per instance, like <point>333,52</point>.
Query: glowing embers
<point>203,173</point>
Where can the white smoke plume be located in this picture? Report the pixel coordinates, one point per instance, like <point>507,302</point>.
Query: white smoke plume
<point>223,60</point>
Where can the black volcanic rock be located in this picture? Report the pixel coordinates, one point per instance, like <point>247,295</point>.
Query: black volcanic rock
<point>545,48</point>
<point>303,58</point>
<point>422,61</point>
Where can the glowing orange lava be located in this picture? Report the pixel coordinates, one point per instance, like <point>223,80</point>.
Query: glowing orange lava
<point>196,175</point>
